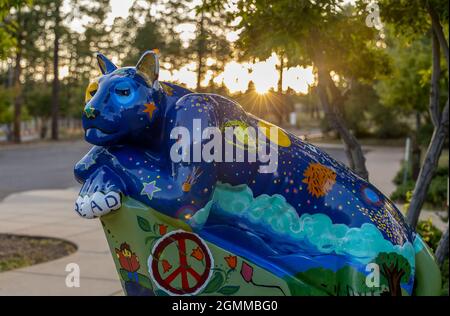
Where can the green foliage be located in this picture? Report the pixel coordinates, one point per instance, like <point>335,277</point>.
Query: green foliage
<point>7,26</point>
<point>406,90</point>
<point>437,192</point>
<point>429,233</point>
<point>302,29</point>
<point>37,99</point>
<point>410,18</point>
<point>6,111</point>
<point>357,110</point>
<point>401,192</point>
<point>140,32</point>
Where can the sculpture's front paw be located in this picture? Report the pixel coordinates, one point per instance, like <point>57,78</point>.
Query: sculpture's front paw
<point>97,204</point>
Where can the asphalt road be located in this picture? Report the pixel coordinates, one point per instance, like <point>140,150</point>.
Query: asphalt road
<point>39,166</point>
<point>50,165</point>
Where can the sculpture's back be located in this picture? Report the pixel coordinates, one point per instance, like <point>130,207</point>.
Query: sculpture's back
<point>277,216</point>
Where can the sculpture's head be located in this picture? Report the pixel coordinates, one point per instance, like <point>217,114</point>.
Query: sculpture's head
<point>123,102</point>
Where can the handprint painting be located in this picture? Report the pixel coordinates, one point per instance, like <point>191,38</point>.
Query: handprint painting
<point>198,197</point>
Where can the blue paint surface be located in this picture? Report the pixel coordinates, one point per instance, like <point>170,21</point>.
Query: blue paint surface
<point>273,219</point>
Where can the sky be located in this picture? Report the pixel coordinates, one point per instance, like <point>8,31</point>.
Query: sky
<point>119,8</point>
<point>236,76</point>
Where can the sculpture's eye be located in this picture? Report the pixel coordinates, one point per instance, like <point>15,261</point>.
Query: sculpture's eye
<point>124,92</point>
<point>90,91</point>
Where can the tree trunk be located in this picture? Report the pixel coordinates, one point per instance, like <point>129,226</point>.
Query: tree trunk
<point>18,98</point>
<point>440,122</point>
<point>352,148</point>
<point>200,49</point>
<point>280,80</point>
<point>416,151</point>
<point>426,173</point>
<point>437,30</point>
<point>442,248</point>
<point>394,285</point>
<point>394,277</point>
<point>55,86</point>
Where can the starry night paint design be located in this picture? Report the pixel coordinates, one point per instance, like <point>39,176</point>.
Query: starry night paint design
<point>312,213</point>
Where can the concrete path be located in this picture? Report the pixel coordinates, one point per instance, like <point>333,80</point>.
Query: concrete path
<point>49,213</point>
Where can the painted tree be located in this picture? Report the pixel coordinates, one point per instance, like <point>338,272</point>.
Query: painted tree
<point>318,33</point>
<point>395,269</point>
<point>416,18</point>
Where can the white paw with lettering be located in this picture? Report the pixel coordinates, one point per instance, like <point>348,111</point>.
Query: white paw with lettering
<point>97,204</point>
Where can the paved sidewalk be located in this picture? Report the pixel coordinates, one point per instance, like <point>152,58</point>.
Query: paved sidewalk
<point>49,213</point>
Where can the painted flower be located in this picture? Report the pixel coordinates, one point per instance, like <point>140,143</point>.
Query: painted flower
<point>197,253</point>
<point>166,265</point>
<point>231,261</point>
<point>162,229</point>
<point>127,259</point>
<point>246,272</point>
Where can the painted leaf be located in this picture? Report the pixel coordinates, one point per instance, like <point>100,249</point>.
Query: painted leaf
<point>144,224</point>
<point>124,275</point>
<point>144,281</point>
<point>215,283</point>
<point>229,289</point>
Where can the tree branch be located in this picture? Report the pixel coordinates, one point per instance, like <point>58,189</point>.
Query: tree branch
<point>437,29</point>
<point>435,75</point>
<point>442,248</point>
<point>444,116</point>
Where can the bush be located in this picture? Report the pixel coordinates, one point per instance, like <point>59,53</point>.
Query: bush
<point>437,192</point>
<point>402,190</point>
<point>429,233</point>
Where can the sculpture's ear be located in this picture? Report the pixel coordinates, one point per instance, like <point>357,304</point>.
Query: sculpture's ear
<point>106,66</point>
<point>148,65</point>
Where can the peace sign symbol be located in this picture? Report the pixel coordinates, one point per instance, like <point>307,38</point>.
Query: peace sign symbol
<point>180,263</point>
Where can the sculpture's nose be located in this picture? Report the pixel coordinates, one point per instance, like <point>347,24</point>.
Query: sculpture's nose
<point>90,112</point>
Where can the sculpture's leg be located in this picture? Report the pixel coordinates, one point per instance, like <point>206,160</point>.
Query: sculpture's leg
<point>100,194</point>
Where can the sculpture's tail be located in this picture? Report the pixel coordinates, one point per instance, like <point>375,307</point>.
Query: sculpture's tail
<point>428,275</point>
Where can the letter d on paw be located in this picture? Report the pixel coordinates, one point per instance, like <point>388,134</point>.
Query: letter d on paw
<point>112,200</point>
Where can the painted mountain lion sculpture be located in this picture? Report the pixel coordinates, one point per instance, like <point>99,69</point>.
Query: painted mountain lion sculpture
<point>198,197</point>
